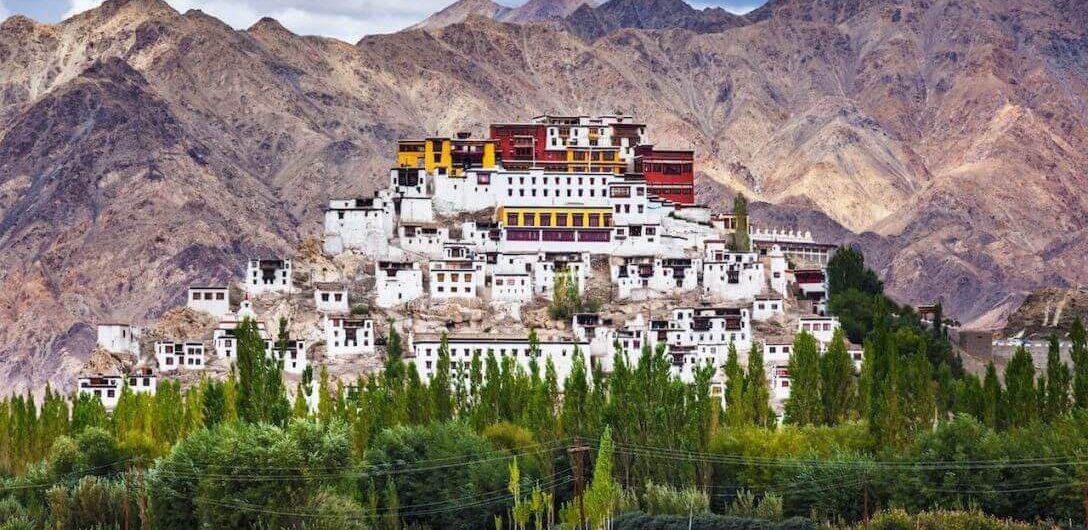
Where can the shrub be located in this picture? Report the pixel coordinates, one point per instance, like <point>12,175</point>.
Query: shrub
<point>941,520</point>
<point>707,521</point>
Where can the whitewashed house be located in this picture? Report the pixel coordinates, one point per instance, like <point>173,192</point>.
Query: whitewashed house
<point>212,300</point>
<point>779,268</point>
<point>172,356</point>
<point>292,353</point>
<point>422,240</point>
<point>119,338</point>
<point>360,225</point>
<point>766,307</point>
<point>225,341</point>
<point>644,277</point>
<point>331,298</point>
<point>268,276</point>
<point>397,282</point>
<point>512,287</point>
<point>348,336</point>
<point>143,380</point>
<point>452,279</point>
<point>105,387</point>
<point>732,276</point>
<point>822,328</point>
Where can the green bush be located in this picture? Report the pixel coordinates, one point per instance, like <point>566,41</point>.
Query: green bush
<point>641,521</point>
<point>18,523</point>
<point>941,520</point>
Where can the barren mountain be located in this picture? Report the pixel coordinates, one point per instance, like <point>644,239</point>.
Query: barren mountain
<point>142,149</point>
<point>592,23</point>
<point>461,10</point>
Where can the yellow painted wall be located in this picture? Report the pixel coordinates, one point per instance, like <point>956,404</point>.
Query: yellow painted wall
<point>502,212</point>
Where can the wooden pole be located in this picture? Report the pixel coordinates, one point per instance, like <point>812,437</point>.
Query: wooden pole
<point>576,451</point>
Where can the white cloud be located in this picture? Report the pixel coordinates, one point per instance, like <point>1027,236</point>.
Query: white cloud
<point>348,20</point>
<point>79,6</point>
<point>4,13</point>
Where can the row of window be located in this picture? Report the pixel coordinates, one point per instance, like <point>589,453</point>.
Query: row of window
<point>560,219</point>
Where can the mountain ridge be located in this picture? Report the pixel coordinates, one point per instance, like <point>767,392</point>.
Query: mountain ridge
<point>949,141</point>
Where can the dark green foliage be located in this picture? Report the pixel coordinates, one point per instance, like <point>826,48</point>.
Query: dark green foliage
<point>1058,381</point>
<point>805,406</point>
<point>641,521</point>
<point>1018,405</point>
<point>443,486</point>
<point>741,241</point>
<point>846,270</point>
<point>240,475</point>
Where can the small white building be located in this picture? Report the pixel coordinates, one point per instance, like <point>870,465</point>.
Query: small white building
<point>397,282</point>
<point>225,341</point>
<point>268,276</point>
<point>822,328</point>
<point>143,381</point>
<point>779,268</point>
<point>119,338</point>
<point>172,356</point>
<point>360,225</point>
<point>212,300</point>
<point>452,279</point>
<point>732,276</point>
<point>348,336</point>
<point>292,354</point>
<point>777,350</point>
<point>422,240</point>
<point>462,347</point>
<point>645,277</point>
<point>105,387</point>
<point>512,287</point>
<point>331,298</point>
<point>767,307</point>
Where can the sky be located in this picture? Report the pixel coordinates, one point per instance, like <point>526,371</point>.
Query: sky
<point>347,20</point>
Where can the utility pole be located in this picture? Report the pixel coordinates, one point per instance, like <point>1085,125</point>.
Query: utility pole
<point>1084,487</point>
<point>577,450</point>
<point>865,501</point>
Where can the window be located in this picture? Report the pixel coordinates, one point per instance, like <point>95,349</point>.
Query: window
<point>577,219</point>
<point>512,219</point>
<point>561,218</point>
<point>594,220</point>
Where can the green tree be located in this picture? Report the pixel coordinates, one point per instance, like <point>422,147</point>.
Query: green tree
<point>1019,402</point>
<point>837,384</point>
<point>737,408</point>
<point>805,405</point>
<point>741,241</point>
<point>1058,382</point>
<point>755,389</point>
<point>441,397</point>
<point>604,492</point>
<point>1079,353</point>
<point>992,398</point>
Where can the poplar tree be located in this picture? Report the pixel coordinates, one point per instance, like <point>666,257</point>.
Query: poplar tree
<point>1058,381</point>
<point>991,395</point>
<point>251,384</point>
<point>737,409</point>
<point>1020,401</point>
<point>740,213</point>
<point>441,396</point>
<point>755,389</point>
<point>1079,353</point>
<point>804,407</point>
<point>215,402</point>
<point>324,396</point>
<point>576,398</point>
<point>837,383</point>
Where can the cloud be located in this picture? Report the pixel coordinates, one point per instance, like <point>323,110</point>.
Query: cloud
<point>347,20</point>
<point>4,13</point>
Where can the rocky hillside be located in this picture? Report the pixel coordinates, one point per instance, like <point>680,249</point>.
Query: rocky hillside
<point>142,149</point>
